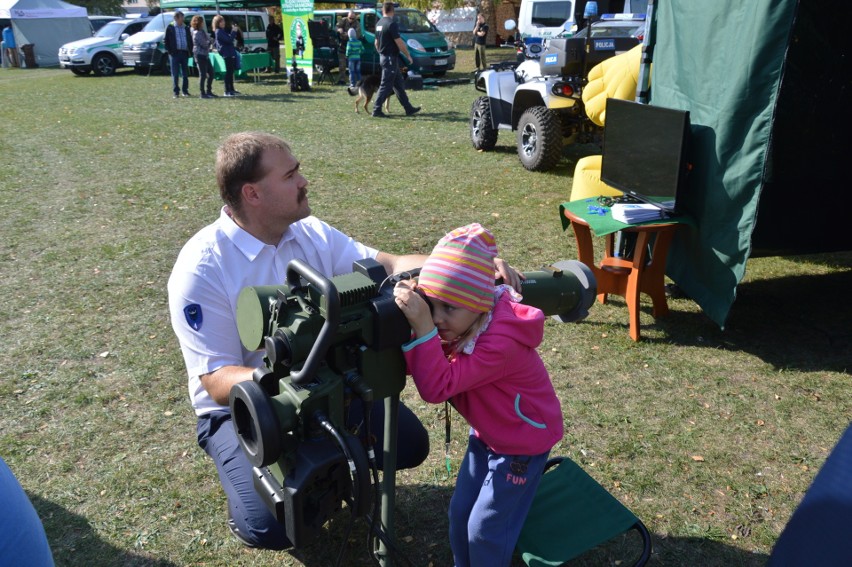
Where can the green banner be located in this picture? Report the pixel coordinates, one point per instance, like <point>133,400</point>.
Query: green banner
<point>294,21</point>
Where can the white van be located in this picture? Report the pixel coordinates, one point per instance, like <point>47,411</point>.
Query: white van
<point>546,18</point>
<point>146,50</point>
<point>100,53</point>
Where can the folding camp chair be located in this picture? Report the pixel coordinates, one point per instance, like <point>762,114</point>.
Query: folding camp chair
<point>571,513</point>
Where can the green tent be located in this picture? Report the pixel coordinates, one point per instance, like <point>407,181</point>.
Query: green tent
<point>768,84</point>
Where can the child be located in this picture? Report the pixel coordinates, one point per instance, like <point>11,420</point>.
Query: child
<point>299,47</point>
<point>477,349</point>
<point>353,56</point>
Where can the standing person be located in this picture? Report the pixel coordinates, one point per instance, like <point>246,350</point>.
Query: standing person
<point>299,48</point>
<point>201,56</point>
<point>350,22</point>
<point>179,46</point>
<point>480,34</point>
<point>11,49</point>
<point>225,46</point>
<point>274,35</point>
<point>389,45</point>
<point>477,350</point>
<point>265,223</point>
<point>239,44</point>
<point>353,57</point>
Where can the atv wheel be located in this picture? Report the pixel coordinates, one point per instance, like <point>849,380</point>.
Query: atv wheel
<point>482,132</point>
<point>539,139</point>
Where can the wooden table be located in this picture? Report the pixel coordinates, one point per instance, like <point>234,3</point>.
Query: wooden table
<point>644,272</point>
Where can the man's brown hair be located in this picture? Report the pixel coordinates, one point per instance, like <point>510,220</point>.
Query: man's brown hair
<point>238,162</point>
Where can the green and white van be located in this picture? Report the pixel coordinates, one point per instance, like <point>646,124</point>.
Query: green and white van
<point>100,53</point>
<point>146,50</point>
<point>429,47</point>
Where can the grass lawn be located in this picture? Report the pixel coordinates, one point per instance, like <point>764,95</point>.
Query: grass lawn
<point>710,436</point>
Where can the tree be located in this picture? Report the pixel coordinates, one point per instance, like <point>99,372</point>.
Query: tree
<point>426,5</point>
<point>101,7</point>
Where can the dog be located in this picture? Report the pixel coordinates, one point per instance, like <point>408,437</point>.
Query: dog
<point>365,91</point>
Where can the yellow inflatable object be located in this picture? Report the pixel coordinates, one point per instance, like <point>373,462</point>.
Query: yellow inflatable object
<point>587,180</point>
<point>616,77</point>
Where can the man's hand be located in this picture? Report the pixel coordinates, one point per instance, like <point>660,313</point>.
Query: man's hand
<point>510,276</point>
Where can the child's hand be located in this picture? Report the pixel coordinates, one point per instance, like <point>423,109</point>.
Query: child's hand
<point>415,309</point>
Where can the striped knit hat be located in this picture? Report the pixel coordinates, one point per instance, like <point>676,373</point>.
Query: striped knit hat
<point>460,270</point>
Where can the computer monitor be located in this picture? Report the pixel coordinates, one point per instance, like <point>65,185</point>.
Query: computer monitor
<point>644,152</point>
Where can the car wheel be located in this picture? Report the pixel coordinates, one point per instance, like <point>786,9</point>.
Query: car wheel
<point>539,139</point>
<point>482,132</point>
<point>80,71</point>
<point>439,73</point>
<point>104,65</point>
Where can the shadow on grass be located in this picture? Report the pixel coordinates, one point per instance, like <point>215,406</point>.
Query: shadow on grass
<point>666,551</point>
<point>420,532</point>
<point>422,539</point>
<point>564,170</point>
<point>690,551</point>
<point>120,72</point>
<point>75,543</point>
<point>449,116</point>
<point>799,322</point>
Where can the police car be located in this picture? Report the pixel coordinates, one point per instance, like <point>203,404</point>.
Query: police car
<point>616,25</point>
<point>100,53</point>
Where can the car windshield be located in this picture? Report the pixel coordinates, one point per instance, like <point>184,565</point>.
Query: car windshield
<point>412,21</point>
<point>617,31</point>
<point>110,30</point>
<point>551,14</point>
<point>632,30</point>
<point>159,23</point>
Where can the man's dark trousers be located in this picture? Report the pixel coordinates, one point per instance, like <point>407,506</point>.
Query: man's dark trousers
<point>275,55</point>
<point>179,63</point>
<point>392,82</point>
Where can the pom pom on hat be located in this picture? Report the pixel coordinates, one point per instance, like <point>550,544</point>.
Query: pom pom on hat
<point>352,34</point>
<point>460,270</point>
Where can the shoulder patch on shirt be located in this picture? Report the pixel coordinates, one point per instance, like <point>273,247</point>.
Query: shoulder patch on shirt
<point>193,315</point>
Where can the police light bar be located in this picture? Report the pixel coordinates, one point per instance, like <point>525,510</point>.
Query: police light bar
<point>625,17</point>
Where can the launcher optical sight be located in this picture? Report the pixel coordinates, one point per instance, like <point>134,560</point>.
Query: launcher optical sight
<point>328,342</point>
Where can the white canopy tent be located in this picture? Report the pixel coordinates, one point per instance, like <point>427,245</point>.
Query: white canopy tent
<point>47,24</point>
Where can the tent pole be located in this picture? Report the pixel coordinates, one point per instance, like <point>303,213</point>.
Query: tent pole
<point>643,85</point>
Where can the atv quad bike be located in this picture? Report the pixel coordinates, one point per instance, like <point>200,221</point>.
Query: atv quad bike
<point>540,100</point>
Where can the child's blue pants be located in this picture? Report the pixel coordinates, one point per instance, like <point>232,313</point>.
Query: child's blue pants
<point>488,508</point>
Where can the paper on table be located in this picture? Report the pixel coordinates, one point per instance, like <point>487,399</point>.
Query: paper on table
<point>632,213</point>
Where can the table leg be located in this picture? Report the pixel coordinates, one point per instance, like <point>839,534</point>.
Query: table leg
<point>653,280</point>
<point>635,283</point>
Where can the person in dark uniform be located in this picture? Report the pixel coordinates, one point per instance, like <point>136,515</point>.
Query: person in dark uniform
<point>390,45</point>
<point>274,35</point>
<point>480,34</point>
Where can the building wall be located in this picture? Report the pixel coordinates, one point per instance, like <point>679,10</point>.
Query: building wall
<point>134,7</point>
<point>495,17</point>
